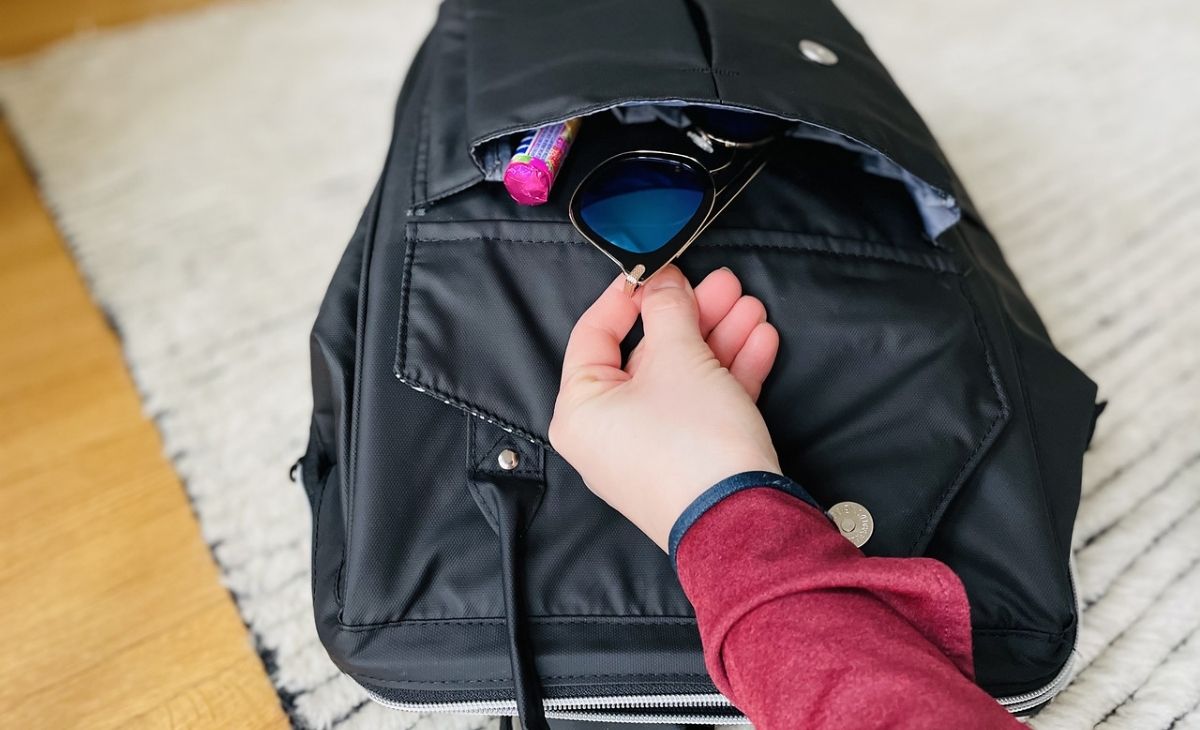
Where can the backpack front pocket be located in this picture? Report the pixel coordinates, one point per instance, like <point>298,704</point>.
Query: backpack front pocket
<point>884,392</point>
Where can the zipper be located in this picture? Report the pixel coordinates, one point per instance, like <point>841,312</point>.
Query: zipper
<point>623,708</point>
<point>599,709</point>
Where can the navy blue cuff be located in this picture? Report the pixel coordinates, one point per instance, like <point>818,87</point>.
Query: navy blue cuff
<point>726,487</point>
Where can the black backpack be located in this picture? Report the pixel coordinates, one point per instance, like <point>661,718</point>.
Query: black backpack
<point>914,376</point>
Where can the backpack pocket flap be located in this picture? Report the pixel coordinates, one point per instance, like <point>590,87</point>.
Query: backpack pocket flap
<point>505,67</point>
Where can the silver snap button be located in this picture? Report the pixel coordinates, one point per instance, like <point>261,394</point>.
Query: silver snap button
<point>818,53</point>
<point>508,460</point>
<point>854,522</point>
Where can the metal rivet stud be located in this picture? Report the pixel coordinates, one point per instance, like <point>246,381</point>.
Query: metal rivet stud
<point>854,522</point>
<point>818,53</point>
<point>508,459</point>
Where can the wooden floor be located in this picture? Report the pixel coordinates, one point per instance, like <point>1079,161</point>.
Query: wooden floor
<point>111,612</point>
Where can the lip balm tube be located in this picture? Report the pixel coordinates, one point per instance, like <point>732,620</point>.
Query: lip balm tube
<point>539,157</point>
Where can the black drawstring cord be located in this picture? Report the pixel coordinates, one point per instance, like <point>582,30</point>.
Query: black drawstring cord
<point>509,501</point>
<point>525,679</point>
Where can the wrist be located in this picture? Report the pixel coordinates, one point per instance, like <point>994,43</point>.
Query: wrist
<point>712,469</point>
<point>726,488</point>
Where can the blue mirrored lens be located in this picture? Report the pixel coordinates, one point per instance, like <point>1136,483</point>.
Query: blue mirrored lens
<point>736,125</point>
<point>640,204</point>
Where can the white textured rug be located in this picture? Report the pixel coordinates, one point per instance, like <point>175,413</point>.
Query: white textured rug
<point>208,168</point>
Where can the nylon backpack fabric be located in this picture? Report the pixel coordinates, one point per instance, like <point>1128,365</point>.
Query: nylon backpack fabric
<point>914,376</point>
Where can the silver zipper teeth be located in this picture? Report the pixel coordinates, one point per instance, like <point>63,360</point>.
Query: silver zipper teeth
<point>592,708</point>
<point>589,708</point>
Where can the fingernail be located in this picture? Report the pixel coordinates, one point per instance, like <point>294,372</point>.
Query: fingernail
<point>727,269</point>
<point>665,280</point>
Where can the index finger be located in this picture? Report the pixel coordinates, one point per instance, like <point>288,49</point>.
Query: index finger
<point>596,337</point>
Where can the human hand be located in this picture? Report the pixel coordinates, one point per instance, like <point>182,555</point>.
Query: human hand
<point>680,416</point>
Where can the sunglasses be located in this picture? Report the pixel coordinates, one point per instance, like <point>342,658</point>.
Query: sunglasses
<point>645,207</point>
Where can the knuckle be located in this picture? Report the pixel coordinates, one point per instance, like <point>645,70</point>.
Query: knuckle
<point>571,382</point>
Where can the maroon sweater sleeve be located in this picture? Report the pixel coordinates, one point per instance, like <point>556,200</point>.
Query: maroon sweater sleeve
<point>800,629</point>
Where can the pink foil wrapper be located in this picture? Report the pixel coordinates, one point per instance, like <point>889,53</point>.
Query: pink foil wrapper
<point>539,157</point>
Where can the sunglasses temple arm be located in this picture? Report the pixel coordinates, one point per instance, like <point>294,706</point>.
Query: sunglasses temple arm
<point>716,211</point>
<point>712,215</point>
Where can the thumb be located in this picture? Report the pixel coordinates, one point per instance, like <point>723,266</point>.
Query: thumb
<point>669,309</point>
